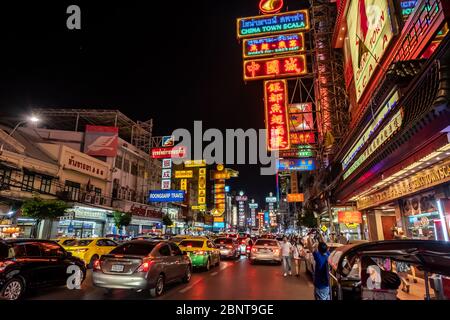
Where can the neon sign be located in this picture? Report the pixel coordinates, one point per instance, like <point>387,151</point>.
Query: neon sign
<point>301,117</point>
<point>302,152</point>
<point>268,46</point>
<point>290,66</point>
<point>296,164</point>
<point>407,8</point>
<point>293,21</point>
<point>275,99</point>
<point>304,137</point>
<point>172,152</point>
<point>270,6</point>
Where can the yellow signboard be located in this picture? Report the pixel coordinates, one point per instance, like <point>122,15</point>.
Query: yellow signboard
<point>194,163</point>
<point>199,207</point>
<point>201,186</point>
<point>324,228</point>
<point>370,31</point>
<point>183,174</point>
<point>183,184</point>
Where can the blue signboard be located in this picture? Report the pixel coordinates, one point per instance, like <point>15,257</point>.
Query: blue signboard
<point>296,164</point>
<point>166,196</point>
<point>219,225</point>
<point>266,217</point>
<point>227,188</point>
<point>168,141</point>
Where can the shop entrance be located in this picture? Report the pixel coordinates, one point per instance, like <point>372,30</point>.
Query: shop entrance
<point>388,223</point>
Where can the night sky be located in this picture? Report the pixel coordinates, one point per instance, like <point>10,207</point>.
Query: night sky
<point>173,61</point>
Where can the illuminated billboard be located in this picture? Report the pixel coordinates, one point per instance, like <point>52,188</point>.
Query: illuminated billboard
<point>166,196</point>
<point>270,6</point>
<point>301,117</point>
<point>183,174</point>
<point>302,151</point>
<point>303,137</point>
<point>272,68</point>
<point>370,31</point>
<point>171,152</point>
<point>296,164</point>
<point>295,197</point>
<point>293,21</point>
<point>275,99</point>
<point>269,46</point>
<point>101,141</point>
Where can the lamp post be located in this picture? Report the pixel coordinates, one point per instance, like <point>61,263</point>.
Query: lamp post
<point>32,119</point>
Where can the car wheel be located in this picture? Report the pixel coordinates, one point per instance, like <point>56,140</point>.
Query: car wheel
<point>208,265</point>
<point>91,262</point>
<point>159,287</point>
<point>187,274</point>
<point>13,289</point>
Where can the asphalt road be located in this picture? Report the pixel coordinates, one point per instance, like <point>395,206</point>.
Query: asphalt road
<point>232,280</point>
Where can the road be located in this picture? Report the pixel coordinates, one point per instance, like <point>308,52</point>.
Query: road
<point>232,280</point>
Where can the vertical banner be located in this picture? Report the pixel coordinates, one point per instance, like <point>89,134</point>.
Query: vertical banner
<point>277,121</point>
<point>183,184</point>
<point>166,174</point>
<point>202,186</point>
<point>294,182</point>
<point>101,141</point>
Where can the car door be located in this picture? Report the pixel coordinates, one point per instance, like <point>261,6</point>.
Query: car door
<point>214,252</point>
<point>167,261</point>
<point>39,267</point>
<point>57,262</point>
<point>180,265</point>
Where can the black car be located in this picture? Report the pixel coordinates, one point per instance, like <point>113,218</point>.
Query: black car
<point>30,263</point>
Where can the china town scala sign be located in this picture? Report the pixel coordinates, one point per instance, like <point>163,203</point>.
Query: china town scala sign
<point>145,211</point>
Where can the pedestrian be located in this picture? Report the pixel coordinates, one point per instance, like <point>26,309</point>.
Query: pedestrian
<point>321,277</point>
<point>342,239</point>
<point>299,254</point>
<point>286,250</point>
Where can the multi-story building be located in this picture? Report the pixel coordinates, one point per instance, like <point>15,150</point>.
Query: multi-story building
<point>396,155</point>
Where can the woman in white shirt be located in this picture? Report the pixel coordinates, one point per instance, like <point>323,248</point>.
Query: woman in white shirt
<point>299,254</point>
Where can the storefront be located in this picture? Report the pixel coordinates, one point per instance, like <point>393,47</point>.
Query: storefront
<point>145,218</point>
<point>83,222</point>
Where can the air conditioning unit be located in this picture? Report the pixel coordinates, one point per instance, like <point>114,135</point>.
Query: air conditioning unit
<point>97,199</point>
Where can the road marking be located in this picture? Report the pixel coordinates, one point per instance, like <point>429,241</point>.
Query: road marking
<point>214,273</point>
<point>189,287</point>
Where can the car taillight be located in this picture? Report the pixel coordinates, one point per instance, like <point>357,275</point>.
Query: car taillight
<point>230,247</point>
<point>97,264</point>
<point>248,247</point>
<point>254,250</point>
<point>276,251</point>
<point>4,264</point>
<point>144,267</point>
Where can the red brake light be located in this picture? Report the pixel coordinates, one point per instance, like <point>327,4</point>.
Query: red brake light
<point>229,246</point>
<point>97,264</point>
<point>144,267</point>
<point>248,247</point>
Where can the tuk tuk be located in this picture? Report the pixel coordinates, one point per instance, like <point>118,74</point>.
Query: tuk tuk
<point>364,271</point>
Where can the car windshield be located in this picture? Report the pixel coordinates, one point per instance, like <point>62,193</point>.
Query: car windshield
<point>77,243</point>
<point>266,243</point>
<point>223,240</point>
<point>192,243</point>
<point>4,251</point>
<point>134,249</point>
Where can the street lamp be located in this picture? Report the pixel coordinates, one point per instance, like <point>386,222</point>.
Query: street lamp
<point>32,119</point>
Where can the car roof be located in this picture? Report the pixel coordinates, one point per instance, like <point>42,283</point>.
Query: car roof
<point>196,239</point>
<point>11,241</point>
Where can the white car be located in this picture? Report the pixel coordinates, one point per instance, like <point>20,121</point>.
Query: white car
<point>266,250</point>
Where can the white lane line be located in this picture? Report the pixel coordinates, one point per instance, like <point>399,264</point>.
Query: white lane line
<point>214,273</point>
<point>189,287</point>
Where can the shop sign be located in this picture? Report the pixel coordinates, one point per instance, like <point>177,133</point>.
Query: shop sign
<point>166,184</point>
<point>194,163</point>
<point>269,46</point>
<point>302,138</point>
<point>385,134</point>
<point>199,207</point>
<point>303,151</point>
<point>295,197</point>
<point>293,21</point>
<point>271,199</point>
<point>220,175</point>
<point>183,184</point>
<point>277,123</point>
<point>166,173</point>
<point>273,68</point>
<point>201,199</point>
<point>166,196</point>
<point>294,182</point>
<point>241,198</point>
<point>407,7</point>
<point>144,211</point>
<point>437,174</point>
<point>166,163</point>
<point>101,141</point>
<point>82,164</point>
<point>370,31</point>
<point>349,217</point>
<point>169,152</point>
<point>296,164</point>
<point>183,174</point>
<point>270,6</point>
<point>89,213</point>
<point>219,225</point>
<point>253,205</point>
<point>301,117</point>
<point>168,141</point>
<point>371,128</point>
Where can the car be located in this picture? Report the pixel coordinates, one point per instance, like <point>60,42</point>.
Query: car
<point>232,235</point>
<point>178,239</point>
<point>64,240</point>
<point>142,265</point>
<point>30,264</point>
<point>266,250</point>
<point>90,249</point>
<point>228,247</point>
<point>147,237</point>
<point>202,252</point>
<point>309,258</point>
<point>245,245</point>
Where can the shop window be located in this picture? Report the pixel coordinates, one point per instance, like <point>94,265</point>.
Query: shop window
<point>98,191</point>
<point>134,169</point>
<point>27,182</point>
<point>118,163</point>
<point>73,188</point>
<point>126,165</point>
<point>46,184</point>
<point>5,177</point>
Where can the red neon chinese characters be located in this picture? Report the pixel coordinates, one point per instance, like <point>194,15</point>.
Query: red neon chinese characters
<point>275,67</point>
<point>305,137</point>
<point>275,93</point>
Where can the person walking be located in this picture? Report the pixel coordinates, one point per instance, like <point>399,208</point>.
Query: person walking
<point>298,254</point>
<point>321,277</point>
<point>286,250</point>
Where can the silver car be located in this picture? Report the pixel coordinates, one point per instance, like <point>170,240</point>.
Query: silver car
<point>266,250</point>
<point>142,265</point>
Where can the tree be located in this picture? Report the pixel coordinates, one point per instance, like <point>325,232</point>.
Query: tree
<point>39,209</point>
<point>166,220</point>
<point>307,219</point>
<point>121,219</point>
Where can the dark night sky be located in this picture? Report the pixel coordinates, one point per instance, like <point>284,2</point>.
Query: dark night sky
<point>173,61</point>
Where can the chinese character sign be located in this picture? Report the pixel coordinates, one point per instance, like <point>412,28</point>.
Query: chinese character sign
<point>272,68</point>
<point>275,98</point>
<point>268,46</point>
<point>302,138</point>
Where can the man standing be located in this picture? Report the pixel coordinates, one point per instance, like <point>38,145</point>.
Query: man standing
<point>286,250</point>
<point>321,277</point>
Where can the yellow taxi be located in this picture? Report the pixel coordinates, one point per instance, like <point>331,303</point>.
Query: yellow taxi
<point>89,249</point>
<point>177,239</point>
<point>63,241</point>
<point>202,251</point>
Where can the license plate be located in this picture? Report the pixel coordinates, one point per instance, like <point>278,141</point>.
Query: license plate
<point>117,267</point>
